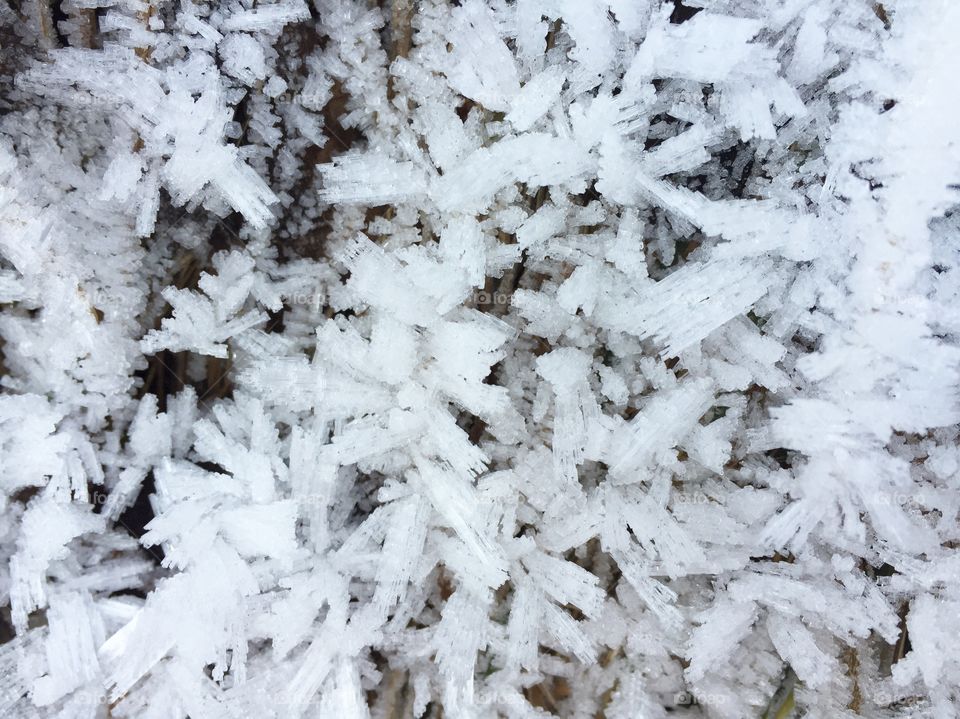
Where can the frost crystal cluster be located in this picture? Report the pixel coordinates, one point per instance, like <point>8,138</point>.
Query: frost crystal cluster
<point>575,358</point>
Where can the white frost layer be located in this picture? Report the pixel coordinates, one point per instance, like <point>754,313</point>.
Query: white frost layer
<point>484,359</point>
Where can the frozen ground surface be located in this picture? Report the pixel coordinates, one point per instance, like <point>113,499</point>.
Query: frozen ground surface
<point>479,359</point>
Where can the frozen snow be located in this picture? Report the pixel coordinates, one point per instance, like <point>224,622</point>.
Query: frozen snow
<point>496,358</point>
